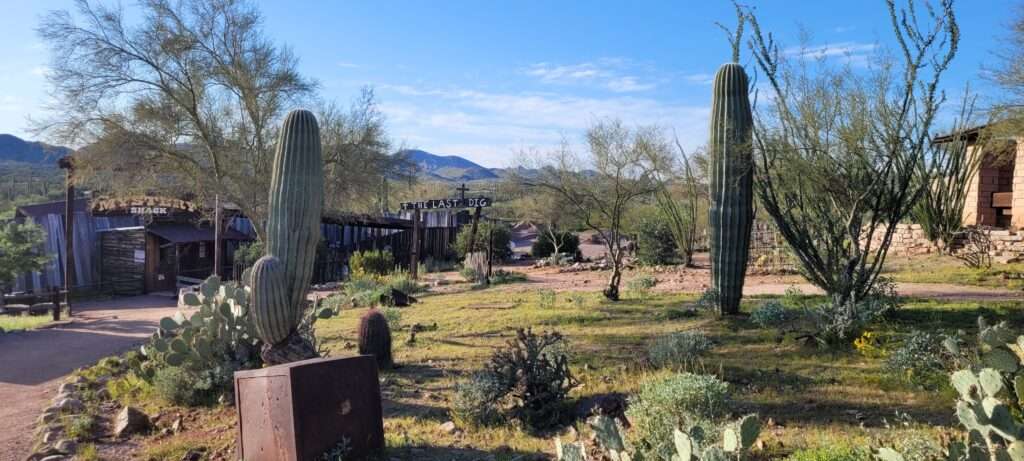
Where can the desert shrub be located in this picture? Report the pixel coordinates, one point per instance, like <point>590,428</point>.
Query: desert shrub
<point>81,427</point>
<point>501,276</point>
<point>708,300</point>
<point>773,314</point>
<point>394,317</point>
<point>682,350</point>
<point>247,254</point>
<point>532,379</point>
<point>401,281</point>
<point>832,452</point>
<point>431,265</point>
<point>655,244</point>
<point>684,400</point>
<point>640,286</point>
<point>476,401</point>
<point>502,238</point>
<point>364,291</point>
<point>371,262</point>
<point>918,359</point>
<point>546,299</point>
<point>179,386</point>
<point>837,324</point>
<point>543,247</point>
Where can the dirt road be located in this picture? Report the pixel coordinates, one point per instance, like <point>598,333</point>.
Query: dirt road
<point>32,363</point>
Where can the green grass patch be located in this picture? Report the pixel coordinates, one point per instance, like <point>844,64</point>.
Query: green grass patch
<point>947,269</point>
<point>10,323</point>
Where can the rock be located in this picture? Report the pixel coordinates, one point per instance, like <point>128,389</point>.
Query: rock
<point>51,437</point>
<point>130,421</point>
<point>177,426</point>
<point>448,427</point>
<point>193,454</point>
<point>70,405</point>
<point>612,405</point>
<point>67,446</point>
<point>67,388</point>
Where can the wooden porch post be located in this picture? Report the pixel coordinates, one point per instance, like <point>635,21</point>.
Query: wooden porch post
<point>67,165</point>
<point>216,235</point>
<point>414,252</point>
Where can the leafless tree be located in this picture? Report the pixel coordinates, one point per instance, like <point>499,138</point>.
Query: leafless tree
<point>619,169</point>
<point>839,149</point>
<point>678,198</point>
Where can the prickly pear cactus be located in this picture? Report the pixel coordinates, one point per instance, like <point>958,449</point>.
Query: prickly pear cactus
<point>990,390</point>
<point>732,209</point>
<point>280,279</point>
<point>737,438</point>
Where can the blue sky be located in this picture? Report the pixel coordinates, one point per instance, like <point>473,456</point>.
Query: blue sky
<point>486,80</point>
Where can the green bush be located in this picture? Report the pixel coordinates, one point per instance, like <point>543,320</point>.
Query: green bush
<point>81,427</point>
<point>364,291</point>
<point>543,247</point>
<point>655,244</point>
<point>501,276</point>
<point>401,281</point>
<point>680,351</point>
<point>772,314</point>
<point>546,299</point>
<point>502,239</point>
<point>179,386</point>
<point>918,360</point>
<point>684,400</point>
<point>832,452</point>
<point>371,262</point>
<point>640,287</point>
<point>476,401</point>
<point>247,254</point>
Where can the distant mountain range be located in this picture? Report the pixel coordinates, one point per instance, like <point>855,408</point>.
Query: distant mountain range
<point>450,168</point>
<point>15,149</point>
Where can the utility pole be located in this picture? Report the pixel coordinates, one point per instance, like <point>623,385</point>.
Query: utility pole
<point>67,164</point>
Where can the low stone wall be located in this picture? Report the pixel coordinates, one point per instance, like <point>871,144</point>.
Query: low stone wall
<point>1006,245</point>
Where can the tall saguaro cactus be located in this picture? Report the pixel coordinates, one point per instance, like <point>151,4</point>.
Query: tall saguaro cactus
<point>732,210</point>
<point>279,280</point>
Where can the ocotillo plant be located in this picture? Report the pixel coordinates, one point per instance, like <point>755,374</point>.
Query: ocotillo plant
<point>279,280</point>
<point>732,211</point>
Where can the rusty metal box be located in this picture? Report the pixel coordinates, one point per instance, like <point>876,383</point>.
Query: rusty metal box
<point>299,410</point>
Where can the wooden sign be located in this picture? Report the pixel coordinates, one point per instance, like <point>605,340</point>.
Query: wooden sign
<point>447,203</point>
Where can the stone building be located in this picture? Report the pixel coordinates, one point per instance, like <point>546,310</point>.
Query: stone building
<point>995,197</point>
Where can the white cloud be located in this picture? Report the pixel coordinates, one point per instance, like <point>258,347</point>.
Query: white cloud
<point>608,73</point>
<point>348,65</point>
<point>700,78</point>
<point>489,127</point>
<point>40,71</point>
<point>855,52</point>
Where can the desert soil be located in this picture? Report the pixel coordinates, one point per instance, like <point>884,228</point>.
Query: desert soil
<point>33,363</point>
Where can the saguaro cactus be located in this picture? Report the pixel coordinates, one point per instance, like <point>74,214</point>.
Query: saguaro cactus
<point>732,211</point>
<point>280,278</point>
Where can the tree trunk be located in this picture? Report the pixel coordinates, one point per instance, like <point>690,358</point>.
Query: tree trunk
<point>612,290</point>
<point>292,349</point>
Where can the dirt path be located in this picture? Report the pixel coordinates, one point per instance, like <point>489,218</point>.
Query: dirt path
<point>696,280</point>
<point>32,363</point>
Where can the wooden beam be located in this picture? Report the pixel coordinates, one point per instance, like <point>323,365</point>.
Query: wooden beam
<point>69,229</point>
<point>414,251</point>
<point>216,235</point>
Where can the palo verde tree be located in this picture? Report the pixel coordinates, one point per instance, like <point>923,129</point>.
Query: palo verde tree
<point>678,199</point>
<point>619,169</point>
<point>839,149</point>
<point>190,97</point>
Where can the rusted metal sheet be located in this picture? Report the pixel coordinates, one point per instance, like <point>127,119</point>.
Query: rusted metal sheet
<point>297,411</point>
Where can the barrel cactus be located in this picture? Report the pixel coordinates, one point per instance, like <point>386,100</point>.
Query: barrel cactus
<point>280,279</point>
<point>375,337</point>
<point>732,211</point>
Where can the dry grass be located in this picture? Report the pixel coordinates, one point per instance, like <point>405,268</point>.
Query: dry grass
<point>947,269</point>
<point>811,397</point>
<point>23,322</point>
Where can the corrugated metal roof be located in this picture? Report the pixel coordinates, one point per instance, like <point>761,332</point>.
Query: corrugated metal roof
<point>185,233</point>
<point>42,209</point>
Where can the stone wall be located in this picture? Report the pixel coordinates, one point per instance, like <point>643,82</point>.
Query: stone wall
<point>1006,245</point>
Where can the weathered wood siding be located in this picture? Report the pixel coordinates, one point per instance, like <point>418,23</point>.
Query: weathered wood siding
<point>120,270</point>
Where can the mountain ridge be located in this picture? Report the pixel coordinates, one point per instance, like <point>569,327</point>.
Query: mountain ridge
<point>15,149</point>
